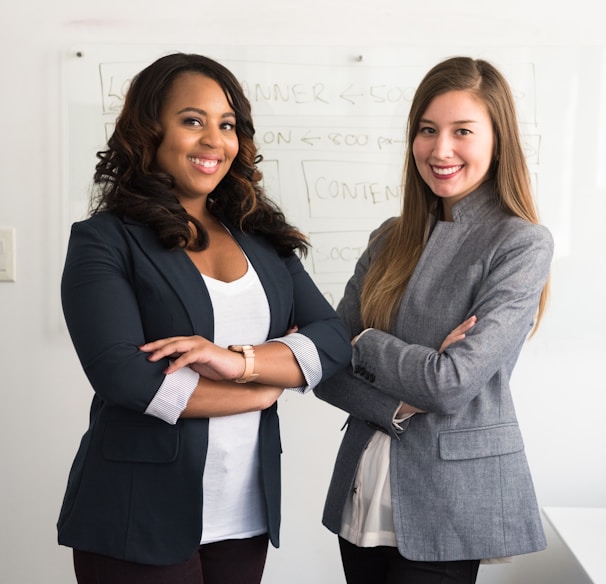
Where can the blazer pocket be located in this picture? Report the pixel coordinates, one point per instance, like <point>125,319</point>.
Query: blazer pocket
<point>146,444</point>
<point>480,442</point>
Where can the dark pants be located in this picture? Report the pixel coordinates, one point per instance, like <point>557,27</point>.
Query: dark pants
<point>237,561</point>
<point>385,565</point>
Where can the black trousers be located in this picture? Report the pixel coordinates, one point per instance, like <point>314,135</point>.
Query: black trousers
<point>385,565</point>
<point>233,561</point>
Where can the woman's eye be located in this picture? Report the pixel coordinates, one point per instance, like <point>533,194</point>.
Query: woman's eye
<point>228,126</point>
<point>426,130</point>
<point>464,132</point>
<point>192,122</point>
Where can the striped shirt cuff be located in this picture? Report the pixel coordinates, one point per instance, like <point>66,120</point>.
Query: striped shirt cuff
<point>307,357</point>
<point>172,396</point>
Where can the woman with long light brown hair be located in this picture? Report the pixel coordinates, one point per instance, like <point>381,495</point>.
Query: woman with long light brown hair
<point>431,477</point>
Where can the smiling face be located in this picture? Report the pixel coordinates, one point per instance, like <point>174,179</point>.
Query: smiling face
<point>199,140</point>
<point>453,146</point>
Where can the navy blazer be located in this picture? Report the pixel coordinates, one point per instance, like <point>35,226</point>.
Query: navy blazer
<point>460,484</point>
<point>135,488</point>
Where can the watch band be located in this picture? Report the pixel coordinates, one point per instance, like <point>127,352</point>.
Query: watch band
<point>248,353</point>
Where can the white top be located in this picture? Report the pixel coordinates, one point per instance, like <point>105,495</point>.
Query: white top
<point>367,515</point>
<point>233,506</point>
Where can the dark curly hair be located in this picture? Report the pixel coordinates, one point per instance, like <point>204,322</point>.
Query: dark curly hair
<point>129,184</point>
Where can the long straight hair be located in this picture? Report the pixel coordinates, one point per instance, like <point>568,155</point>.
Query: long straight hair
<point>402,240</point>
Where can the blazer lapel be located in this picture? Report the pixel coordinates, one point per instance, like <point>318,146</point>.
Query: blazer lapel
<point>179,272</point>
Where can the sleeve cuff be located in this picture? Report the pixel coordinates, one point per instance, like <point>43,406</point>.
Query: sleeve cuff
<point>357,337</point>
<point>397,420</point>
<point>172,396</point>
<point>307,357</point>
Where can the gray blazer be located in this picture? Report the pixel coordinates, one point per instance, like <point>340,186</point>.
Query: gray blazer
<point>461,487</point>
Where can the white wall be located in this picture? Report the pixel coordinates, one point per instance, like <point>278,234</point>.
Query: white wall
<point>44,394</point>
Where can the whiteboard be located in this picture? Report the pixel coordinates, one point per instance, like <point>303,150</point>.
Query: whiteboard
<point>330,125</point>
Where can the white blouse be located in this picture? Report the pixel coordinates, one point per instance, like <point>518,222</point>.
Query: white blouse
<point>367,515</point>
<point>233,504</point>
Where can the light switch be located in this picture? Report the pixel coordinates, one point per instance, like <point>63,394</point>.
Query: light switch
<point>7,255</point>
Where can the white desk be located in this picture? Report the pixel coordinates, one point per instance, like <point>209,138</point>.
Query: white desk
<point>583,530</point>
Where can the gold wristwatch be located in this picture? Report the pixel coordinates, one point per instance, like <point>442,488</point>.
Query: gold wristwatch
<point>248,353</point>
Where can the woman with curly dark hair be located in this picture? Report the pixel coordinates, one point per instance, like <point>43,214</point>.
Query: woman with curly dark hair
<point>190,313</point>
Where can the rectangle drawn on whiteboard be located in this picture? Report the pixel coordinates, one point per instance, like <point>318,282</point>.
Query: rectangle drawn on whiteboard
<point>331,254</point>
<point>345,189</point>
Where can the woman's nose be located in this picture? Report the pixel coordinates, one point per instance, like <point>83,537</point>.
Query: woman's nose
<point>442,147</point>
<point>210,135</point>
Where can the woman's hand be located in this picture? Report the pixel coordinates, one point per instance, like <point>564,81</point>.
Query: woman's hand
<point>458,333</point>
<point>205,358</point>
<point>405,411</point>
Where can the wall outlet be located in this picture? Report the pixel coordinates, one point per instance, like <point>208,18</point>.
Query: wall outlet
<point>7,255</point>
